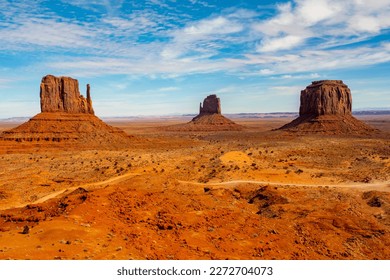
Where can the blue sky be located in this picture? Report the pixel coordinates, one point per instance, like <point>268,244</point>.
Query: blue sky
<point>160,57</point>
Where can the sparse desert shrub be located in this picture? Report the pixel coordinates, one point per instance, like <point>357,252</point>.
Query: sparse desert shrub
<point>299,171</point>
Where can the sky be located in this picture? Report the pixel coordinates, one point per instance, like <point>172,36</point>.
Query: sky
<point>163,57</point>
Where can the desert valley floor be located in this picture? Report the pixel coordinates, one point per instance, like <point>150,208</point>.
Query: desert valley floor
<point>251,194</point>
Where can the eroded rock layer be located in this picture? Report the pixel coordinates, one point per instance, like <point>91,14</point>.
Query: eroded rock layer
<point>326,107</point>
<point>211,105</point>
<point>209,118</point>
<point>67,117</point>
<point>87,129</point>
<point>61,94</point>
<point>326,98</point>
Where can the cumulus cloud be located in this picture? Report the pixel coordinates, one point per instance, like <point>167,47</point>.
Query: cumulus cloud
<point>205,37</point>
<point>280,43</point>
<point>297,22</point>
<point>46,33</point>
<point>301,36</point>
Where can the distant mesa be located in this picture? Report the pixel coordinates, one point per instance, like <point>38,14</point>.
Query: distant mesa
<point>66,116</point>
<point>209,118</point>
<point>326,107</point>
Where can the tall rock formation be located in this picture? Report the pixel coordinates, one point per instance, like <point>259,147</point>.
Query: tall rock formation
<point>326,107</point>
<point>211,105</point>
<point>61,94</point>
<point>66,117</point>
<point>209,118</point>
<point>330,97</point>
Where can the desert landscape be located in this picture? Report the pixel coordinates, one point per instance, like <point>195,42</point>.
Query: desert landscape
<point>74,187</point>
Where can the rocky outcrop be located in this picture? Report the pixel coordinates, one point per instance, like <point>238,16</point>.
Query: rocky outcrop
<point>66,118</point>
<point>326,107</point>
<point>61,94</point>
<point>327,97</point>
<point>211,105</point>
<point>209,118</point>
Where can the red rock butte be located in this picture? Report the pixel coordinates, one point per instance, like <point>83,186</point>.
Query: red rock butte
<point>326,108</point>
<point>61,94</point>
<point>66,117</point>
<point>209,118</point>
<point>211,105</point>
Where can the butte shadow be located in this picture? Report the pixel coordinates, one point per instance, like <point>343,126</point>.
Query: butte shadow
<point>209,118</point>
<point>66,117</point>
<point>326,108</point>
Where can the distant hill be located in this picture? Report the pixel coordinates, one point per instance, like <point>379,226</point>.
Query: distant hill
<point>360,112</point>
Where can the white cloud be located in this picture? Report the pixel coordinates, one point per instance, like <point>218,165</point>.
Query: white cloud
<point>202,3</point>
<point>283,43</point>
<point>317,60</point>
<point>266,71</point>
<point>168,89</point>
<point>327,20</point>
<point>145,42</point>
<point>314,11</point>
<point>47,33</point>
<point>110,7</point>
<point>219,25</point>
<point>285,90</point>
<point>205,36</point>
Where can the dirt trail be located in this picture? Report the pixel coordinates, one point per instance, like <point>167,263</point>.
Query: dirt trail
<point>379,186</point>
<point>89,186</point>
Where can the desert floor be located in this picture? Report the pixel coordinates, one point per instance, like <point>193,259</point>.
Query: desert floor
<point>252,194</point>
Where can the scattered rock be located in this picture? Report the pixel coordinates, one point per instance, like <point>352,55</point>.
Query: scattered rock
<point>26,230</point>
<point>375,202</point>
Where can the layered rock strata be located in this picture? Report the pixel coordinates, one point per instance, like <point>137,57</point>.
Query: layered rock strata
<point>326,107</point>
<point>211,105</point>
<point>61,94</point>
<point>209,118</point>
<point>67,117</point>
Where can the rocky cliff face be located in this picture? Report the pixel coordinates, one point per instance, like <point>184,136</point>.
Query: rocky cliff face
<point>209,118</point>
<point>211,105</point>
<point>67,118</point>
<point>326,108</point>
<point>329,97</point>
<point>61,94</point>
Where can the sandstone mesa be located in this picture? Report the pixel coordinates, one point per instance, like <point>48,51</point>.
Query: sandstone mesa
<point>326,108</point>
<point>61,94</point>
<point>209,118</point>
<point>66,116</point>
